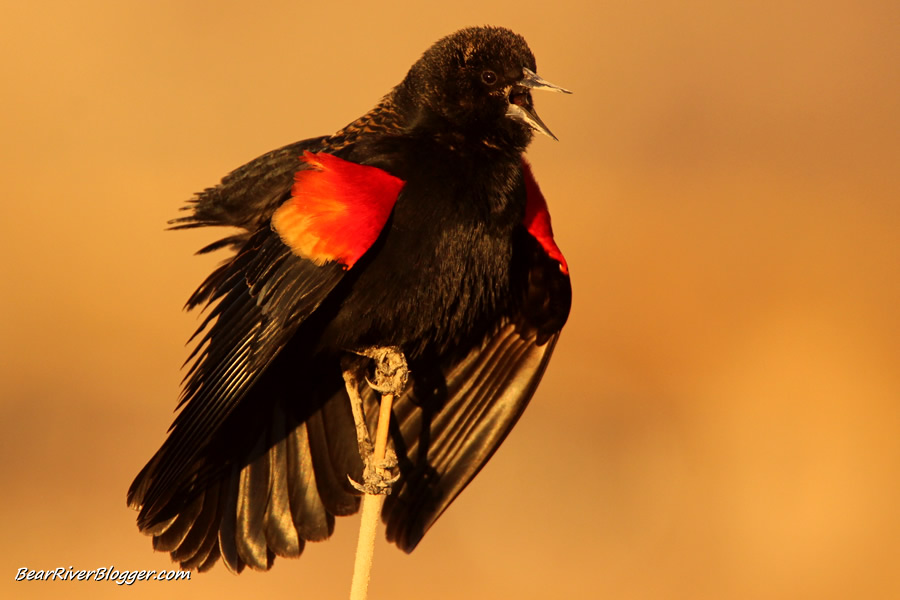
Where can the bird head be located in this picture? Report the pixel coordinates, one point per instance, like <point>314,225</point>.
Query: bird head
<point>476,84</point>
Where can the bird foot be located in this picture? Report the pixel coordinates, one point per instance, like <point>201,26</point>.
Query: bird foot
<point>379,475</point>
<point>391,375</point>
<point>391,370</point>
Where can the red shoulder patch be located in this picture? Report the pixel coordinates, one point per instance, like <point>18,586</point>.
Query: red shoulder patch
<point>337,209</point>
<point>537,218</point>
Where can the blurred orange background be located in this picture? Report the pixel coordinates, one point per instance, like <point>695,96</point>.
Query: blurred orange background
<point>721,419</point>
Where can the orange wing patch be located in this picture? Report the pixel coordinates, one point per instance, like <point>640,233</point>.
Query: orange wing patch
<point>537,219</point>
<point>337,209</point>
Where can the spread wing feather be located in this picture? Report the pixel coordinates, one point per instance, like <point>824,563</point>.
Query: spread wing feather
<point>259,307</point>
<point>259,298</point>
<point>445,437</point>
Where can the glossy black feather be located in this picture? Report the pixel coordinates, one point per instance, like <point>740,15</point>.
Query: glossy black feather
<point>263,296</point>
<point>247,196</point>
<point>487,392</point>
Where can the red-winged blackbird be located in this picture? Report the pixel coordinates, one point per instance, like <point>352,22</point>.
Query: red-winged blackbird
<point>418,226</point>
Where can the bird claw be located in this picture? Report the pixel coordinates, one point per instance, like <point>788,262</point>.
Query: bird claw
<point>378,476</point>
<point>391,369</point>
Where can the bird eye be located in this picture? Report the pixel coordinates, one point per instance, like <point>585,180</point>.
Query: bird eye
<point>489,77</point>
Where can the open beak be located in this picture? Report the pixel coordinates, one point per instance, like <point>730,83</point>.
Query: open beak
<point>520,105</point>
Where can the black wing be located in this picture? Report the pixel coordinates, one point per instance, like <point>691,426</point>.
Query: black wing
<point>229,420</point>
<point>262,296</point>
<point>444,433</point>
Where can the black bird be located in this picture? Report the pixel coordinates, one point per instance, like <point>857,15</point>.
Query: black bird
<point>419,226</point>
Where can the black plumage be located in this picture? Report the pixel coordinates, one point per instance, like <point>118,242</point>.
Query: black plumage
<point>257,460</point>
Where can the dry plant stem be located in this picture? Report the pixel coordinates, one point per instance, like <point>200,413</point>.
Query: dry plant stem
<point>365,547</point>
<point>371,508</point>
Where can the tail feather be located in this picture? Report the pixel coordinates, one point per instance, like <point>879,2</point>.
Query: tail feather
<point>271,498</point>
